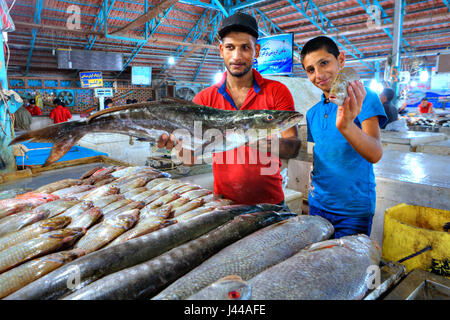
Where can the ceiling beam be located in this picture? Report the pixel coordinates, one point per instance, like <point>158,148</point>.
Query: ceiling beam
<point>148,16</point>
<point>37,20</point>
<point>155,22</point>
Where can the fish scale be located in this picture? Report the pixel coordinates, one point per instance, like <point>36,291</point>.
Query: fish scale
<point>253,254</point>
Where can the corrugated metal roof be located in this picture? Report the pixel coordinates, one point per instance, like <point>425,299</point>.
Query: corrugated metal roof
<point>426,31</point>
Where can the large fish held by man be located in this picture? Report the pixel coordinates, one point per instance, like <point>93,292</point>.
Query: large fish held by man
<point>185,120</point>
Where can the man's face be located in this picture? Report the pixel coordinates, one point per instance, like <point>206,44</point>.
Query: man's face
<point>238,50</point>
<point>424,103</point>
<point>322,68</point>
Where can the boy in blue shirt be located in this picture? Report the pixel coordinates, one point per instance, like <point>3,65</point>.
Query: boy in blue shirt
<point>346,143</point>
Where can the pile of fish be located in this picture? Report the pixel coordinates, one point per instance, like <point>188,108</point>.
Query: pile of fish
<point>40,230</point>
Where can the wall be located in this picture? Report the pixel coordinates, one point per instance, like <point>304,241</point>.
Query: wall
<point>77,99</point>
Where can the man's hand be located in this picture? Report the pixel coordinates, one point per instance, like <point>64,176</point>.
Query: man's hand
<point>184,155</point>
<point>166,141</point>
<point>352,105</point>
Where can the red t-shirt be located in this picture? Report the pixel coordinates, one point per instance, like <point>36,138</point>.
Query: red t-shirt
<point>34,111</point>
<point>426,109</point>
<point>60,114</point>
<point>244,183</point>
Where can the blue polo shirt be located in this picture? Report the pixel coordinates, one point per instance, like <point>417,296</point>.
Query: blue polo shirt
<point>342,181</point>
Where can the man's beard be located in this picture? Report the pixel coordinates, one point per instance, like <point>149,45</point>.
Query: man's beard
<point>240,74</point>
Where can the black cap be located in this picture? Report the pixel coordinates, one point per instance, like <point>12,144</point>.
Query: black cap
<point>32,101</point>
<point>240,22</point>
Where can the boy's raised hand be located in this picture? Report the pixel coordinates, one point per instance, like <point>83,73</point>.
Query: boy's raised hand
<point>351,107</point>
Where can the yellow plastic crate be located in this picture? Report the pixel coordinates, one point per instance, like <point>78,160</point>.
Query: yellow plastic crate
<point>409,229</point>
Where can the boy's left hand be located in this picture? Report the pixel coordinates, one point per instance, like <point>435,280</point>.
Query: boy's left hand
<point>351,107</point>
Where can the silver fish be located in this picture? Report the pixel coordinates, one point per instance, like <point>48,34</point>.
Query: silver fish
<point>253,254</point>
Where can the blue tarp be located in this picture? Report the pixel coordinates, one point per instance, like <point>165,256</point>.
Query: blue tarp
<point>37,157</point>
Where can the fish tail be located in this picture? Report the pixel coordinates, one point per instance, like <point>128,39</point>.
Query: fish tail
<point>63,136</point>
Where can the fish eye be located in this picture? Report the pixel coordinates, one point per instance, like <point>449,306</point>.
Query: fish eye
<point>234,294</point>
<point>269,117</point>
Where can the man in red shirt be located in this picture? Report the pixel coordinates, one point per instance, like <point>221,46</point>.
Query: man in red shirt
<point>243,88</point>
<point>59,113</point>
<point>33,109</point>
<point>425,106</point>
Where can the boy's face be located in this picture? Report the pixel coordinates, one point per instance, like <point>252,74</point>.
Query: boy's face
<point>322,68</point>
<point>238,50</point>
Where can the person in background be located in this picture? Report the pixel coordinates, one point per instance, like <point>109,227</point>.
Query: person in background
<point>33,109</point>
<point>108,103</point>
<point>22,119</point>
<point>59,113</point>
<point>386,97</point>
<point>425,106</point>
<point>134,101</point>
<point>129,101</point>
<point>402,111</point>
<point>346,143</point>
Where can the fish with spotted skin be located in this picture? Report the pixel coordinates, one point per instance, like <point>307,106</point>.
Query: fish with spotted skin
<point>148,121</point>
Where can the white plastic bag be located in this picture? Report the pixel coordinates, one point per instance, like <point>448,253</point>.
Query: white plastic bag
<point>399,125</point>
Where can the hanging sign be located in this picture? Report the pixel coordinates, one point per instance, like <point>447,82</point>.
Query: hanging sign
<point>91,79</point>
<point>276,55</point>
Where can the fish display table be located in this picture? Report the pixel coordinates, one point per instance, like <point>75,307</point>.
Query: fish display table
<point>293,198</point>
<point>407,141</point>
<point>73,172</point>
<point>439,147</point>
<point>409,177</point>
<point>118,147</point>
<point>421,285</point>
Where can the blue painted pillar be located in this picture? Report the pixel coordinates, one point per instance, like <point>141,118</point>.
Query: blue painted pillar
<point>7,160</point>
<point>396,48</point>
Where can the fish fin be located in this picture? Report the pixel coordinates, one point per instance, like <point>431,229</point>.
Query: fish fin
<point>62,135</point>
<point>124,107</point>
